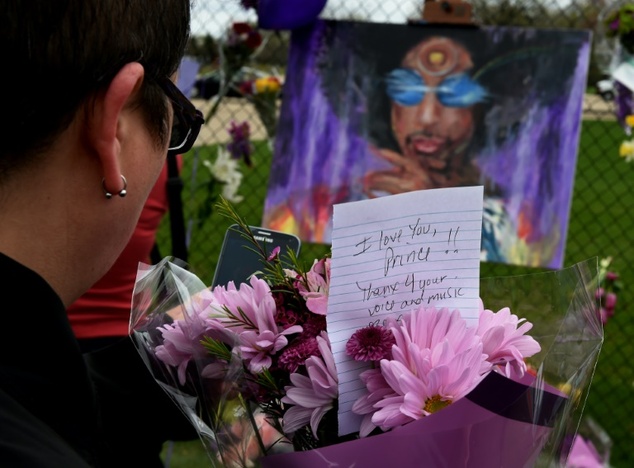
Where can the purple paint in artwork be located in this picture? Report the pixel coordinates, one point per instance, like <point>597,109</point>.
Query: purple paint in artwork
<point>534,169</point>
<point>329,153</point>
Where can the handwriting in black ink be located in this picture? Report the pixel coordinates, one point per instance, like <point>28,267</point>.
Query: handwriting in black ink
<point>393,260</point>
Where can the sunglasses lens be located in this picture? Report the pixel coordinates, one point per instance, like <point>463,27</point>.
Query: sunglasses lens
<point>179,132</point>
<point>186,120</point>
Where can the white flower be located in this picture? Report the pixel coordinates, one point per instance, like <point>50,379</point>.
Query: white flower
<point>230,189</point>
<point>225,170</point>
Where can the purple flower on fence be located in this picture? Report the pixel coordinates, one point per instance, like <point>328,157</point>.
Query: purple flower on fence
<point>240,145</point>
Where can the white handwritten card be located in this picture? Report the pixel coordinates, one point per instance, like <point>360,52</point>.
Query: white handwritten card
<point>393,254</point>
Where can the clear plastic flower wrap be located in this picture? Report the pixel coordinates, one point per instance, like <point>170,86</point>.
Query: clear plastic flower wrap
<point>233,360</point>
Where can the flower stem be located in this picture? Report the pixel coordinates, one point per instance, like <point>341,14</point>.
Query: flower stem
<point>254,424</point>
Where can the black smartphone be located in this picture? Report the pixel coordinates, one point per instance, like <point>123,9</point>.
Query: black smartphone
<point>238,260</point>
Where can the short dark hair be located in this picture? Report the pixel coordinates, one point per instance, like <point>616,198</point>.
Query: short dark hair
<point>60,53</point>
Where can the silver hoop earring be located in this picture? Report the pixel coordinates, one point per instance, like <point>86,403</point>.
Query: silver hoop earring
<point>122,193</point>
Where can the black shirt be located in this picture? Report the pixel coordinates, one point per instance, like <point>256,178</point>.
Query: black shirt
<point>48,416</point>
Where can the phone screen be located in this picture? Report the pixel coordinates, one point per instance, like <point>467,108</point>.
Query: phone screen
<point>237,259</point>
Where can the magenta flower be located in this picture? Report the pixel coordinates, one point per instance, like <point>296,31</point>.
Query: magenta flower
<point>315,292</point>
<point>371,343</point>
<point>610,301</point>
<point>608,304</point>
<point>606,295</point>
<point>504,342</point>
<point>274,254</point>
<point>296,354</point>
<point>311,396</point>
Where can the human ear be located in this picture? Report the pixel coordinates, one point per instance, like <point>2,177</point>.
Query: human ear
<point>105,120</point>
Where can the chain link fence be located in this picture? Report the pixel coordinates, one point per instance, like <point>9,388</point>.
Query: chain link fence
<point>601,214</point>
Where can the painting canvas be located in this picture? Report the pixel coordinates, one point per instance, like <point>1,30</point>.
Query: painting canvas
<point>374,109</point>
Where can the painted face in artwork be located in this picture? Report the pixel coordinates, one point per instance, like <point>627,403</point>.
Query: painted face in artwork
<point>432,102</point>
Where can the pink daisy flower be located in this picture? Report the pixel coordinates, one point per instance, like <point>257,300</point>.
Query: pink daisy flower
<point>440,378</point>
<point>506,343</point>
<point>427,328</point>
<point>311,396</point>
<point>435,361</point>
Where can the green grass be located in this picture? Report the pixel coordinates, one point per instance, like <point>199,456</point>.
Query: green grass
<point>601,224</point>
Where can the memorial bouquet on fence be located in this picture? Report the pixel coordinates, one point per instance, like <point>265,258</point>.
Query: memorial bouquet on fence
<point>619,23</point>
<point>264,94</point>
<point>240,43</point>
<point>252,367</point>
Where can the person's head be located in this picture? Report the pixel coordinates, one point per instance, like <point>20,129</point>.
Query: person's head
<point>88,106</point>
<point>60,53</point>
<point>432,102</point>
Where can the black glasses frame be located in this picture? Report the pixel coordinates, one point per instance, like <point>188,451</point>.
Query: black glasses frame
<point>187,119</point>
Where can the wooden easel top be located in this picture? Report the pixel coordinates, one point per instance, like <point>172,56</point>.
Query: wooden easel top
<point>455,12</point>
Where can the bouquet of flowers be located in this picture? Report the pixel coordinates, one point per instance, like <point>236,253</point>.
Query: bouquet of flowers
<point>619,23</point>
<point>264,93</point>
<point>239,45</point>
<point>252,367</point>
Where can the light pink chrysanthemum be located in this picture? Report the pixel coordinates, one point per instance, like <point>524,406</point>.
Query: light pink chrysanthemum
<point>181,339</point>
<point>245,306</point>
<point>314,395</point>
<point>316,292</point>
<point>371,343</point>
<point>504,342</point>
<point>435,361</point>
<point>250,311</point>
